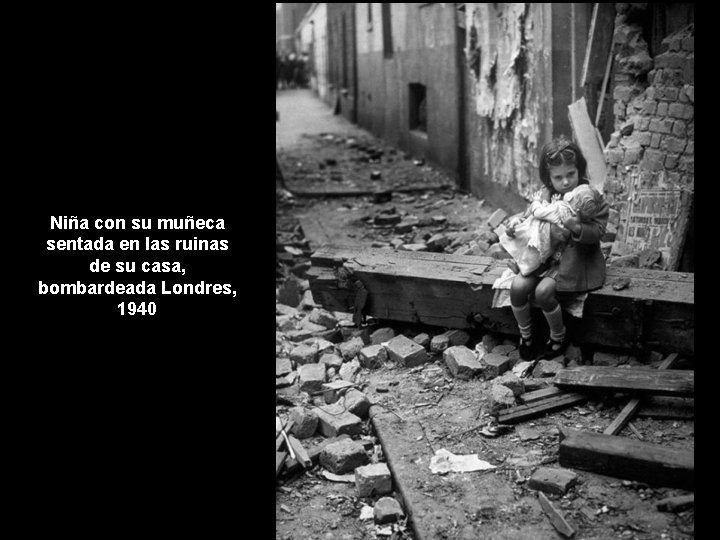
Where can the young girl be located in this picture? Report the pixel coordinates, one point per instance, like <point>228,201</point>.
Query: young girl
<point>582,265</point>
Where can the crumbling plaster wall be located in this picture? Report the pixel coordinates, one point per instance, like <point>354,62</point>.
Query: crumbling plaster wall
<point>654,138</point>
<point>509,94</point>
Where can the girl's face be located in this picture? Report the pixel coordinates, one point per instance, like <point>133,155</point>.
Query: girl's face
<point>564,178</point>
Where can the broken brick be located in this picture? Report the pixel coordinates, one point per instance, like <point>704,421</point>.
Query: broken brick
<point>511,381</point>
<point>282,309</point>
<point>349,370</point>
<point>331,360</point>
<point>333,390</point>
<point>373,480</point>
<point>343,457</point>
<point>439,343</point>
<point>356,402</point>
<point>311,327</point>
<point>462,362</point>
<point>323,346</point>
<point>546,368</point>
<point>457,337</point>
<point>387,510</point>
<point>305,422</point>
<point>304,354</point>
<point>489,342</point>
<point>494,365</point>
<point>349,333</point>
<point>497,218</point>
<point>372,357</point>
<point>381,335</point>
<point>551,480</point>
<point>423,340</point>
<point>406,352</point>
<point>350,349</point>
<point>283,366</point>
<point>334,420</point>
<point>285,323</point>
<point>503,349</point>
<point>502,395</point>
<point>437,242</point>
<point>312,377</point>
<point>323,318</point>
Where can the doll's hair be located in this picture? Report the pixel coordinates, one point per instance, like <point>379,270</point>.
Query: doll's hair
<point>561,151</point>
<point>585,201</point>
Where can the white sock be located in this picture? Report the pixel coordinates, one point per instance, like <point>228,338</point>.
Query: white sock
<point>555,322</point>
<point>524,320</point>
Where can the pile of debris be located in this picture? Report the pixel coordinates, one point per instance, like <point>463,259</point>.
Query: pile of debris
<point>322,359</point>
<point>340,162</point>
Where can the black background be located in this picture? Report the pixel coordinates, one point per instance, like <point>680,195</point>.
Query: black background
<point>117,420</point>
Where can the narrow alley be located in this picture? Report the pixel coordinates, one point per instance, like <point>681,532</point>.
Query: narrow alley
<point>407,404</point>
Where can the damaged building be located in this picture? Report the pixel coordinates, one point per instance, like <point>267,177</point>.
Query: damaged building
<point>477,89</point>
<point>407,403</point>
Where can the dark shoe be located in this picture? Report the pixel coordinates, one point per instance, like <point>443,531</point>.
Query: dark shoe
<point>527,350</point>
<point>554,348</point>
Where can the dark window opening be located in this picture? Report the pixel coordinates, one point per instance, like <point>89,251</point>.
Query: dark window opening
<point>418,107</point>
<point>369,27</point>
<point>387,31</point>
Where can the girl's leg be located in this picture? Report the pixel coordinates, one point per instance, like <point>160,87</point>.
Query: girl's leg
<point>520,290</point>
<point>545,298</point>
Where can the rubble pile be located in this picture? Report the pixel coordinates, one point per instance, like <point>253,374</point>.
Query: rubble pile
<point>337,162</point>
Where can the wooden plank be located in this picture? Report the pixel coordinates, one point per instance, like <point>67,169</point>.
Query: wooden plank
<point>280,458</point>
<point>672,408</point>
<point>584,132</point>
<point>629,459</point>
<point>280,438</point>
<point>556,517</point>
<point>301,455</point>
<point>538,395</point>
<point>633,406</point>
<point>513,415</point>
<point>455,291</point>
<point>631,380</point>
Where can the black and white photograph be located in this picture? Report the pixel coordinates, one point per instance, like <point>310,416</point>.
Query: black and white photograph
<point>484,271</point>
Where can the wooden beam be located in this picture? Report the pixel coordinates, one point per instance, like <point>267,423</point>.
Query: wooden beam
<point>629,459</point>
<point>631,380</point>
<point>455,291</point>
<point>673,408</point>
<point>538,395</point>
<point>634,404</point>
<point>587,141</point>
<point>556,517</point>
<point>280,458</point>
<point>301,455</point>
<point>281,438</point>
<point>513,415</point>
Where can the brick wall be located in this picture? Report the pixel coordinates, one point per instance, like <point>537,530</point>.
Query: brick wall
<point>653,142</point>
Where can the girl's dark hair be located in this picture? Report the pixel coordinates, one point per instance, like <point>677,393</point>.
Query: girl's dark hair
<point>561,151</point>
